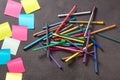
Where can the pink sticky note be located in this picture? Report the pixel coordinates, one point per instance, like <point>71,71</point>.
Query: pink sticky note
<point>19,32</point>
<point>16,65</point>
<point>13,8</point>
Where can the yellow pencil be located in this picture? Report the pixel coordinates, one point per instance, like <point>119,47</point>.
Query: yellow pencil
<point>74,55</point>
<point>69,38</point>
<point>71,29</point>
<point>89,45</point>
<point>77,53</point>
<point>64,58</point>
<point>85,22</point>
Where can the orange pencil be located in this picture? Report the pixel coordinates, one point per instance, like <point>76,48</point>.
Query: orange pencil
<point>103,29</point>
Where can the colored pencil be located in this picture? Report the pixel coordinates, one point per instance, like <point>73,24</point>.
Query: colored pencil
<point>65,19</point>
<point>75,14</point>
<point>109,37</point>
<point>86,22</point>
<point>90,19</point>
<point>35,42</point>
<point>53,59</point>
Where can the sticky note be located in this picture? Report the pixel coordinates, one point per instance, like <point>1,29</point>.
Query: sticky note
<point>4,56</point>
<point>30,5</point>
<point>27,20</point>
<point>13,76</point>
<point>19,32</point>
<point>16,65</point>
<point>13,44</point>
<point>5,30</point>
<point>13,8</point>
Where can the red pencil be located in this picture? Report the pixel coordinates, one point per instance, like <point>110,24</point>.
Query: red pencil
<point>65,19</point>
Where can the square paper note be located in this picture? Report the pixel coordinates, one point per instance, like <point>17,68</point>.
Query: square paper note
<point>13,44</point>
<point>16,65</point>
<point>5,30</point>
<point>13,8</point>
<point>27,20</point>
<point>4,56</point>
<point>30,5</point>
<point>19,32</point>
<point>13,76</point>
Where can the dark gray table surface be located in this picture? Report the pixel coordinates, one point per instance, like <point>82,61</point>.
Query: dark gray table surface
<point>39,67</point>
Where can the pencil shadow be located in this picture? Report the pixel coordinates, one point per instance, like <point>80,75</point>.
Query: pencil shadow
<point>42,56</point>
<point>95,14</point>
<point>102,49</point>
<point>73,62</point>
<point>87,61</point>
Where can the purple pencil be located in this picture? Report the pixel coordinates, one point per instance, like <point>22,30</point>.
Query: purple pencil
<point>85,55</point>
<point>53,59</point>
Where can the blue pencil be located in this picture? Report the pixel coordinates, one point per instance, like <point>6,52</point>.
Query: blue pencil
<point>36,41</point>
<point>95,59</point>
<point>95,43</point>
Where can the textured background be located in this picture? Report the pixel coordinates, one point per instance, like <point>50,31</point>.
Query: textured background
<point>39,67</point>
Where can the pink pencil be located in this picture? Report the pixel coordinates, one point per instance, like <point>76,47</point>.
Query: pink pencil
<point>77,34</point>
<point>55,48</point>
<point>57,39</point>
<point>70,49</point>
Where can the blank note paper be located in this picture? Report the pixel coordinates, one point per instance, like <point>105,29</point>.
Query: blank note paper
<point>13,76</point>
<point>19,32</point>
<point>13,8</point>
<point>16,65</point>
<point>30,5</point>
<point>13,44</point>
<point>5,30</point>
<point>27,20</point>
<point>4,56</point>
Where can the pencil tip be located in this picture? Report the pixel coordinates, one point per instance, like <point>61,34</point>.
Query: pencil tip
<point>101,49</point>
<point>97,73</point>
<point>24,49</point>
<point>62,60</point>
<point>61,68</point>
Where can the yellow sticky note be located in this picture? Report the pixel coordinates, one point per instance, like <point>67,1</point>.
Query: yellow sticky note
<point>13,76</point>
<point>5,30</point>
<point>30,5</point>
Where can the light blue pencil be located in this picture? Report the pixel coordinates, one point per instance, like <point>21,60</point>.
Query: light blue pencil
<point>36,41</point>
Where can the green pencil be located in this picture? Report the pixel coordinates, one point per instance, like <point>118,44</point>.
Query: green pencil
<point>108,37</point>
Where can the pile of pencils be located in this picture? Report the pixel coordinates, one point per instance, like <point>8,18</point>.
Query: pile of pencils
<point>71,35</point>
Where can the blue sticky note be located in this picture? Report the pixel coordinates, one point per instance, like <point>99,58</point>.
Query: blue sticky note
<point>26,20</point>
<point>4,56</point>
